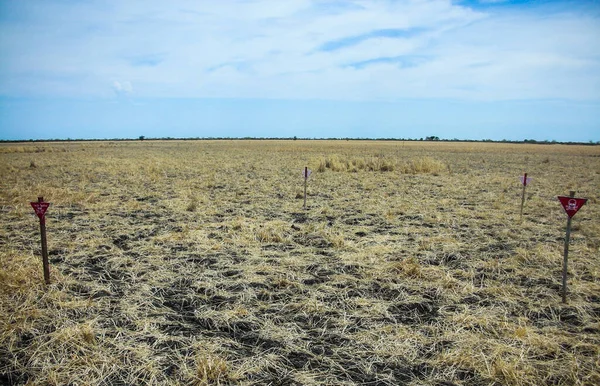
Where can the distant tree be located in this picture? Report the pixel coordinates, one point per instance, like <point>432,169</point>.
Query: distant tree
<point>142,138</point>
<point>295,138</point>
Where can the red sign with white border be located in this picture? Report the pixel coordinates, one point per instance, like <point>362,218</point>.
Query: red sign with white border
<point>571,204</point>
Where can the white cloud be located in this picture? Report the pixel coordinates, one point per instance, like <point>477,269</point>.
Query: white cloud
<point>274,49</point>
<point>122,88</point>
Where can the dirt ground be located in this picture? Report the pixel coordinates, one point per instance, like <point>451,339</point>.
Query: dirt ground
<point>194,262</point>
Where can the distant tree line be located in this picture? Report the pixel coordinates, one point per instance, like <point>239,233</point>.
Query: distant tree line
<point>294,138</point>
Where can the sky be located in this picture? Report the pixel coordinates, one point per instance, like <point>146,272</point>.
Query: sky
<point>476,69</point>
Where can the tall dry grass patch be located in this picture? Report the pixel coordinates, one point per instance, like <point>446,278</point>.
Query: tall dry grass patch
<point>381,163</point>
<point>423,165</point>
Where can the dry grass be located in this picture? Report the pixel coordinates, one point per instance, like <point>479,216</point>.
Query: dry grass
<point>194,263</point>
<point>382,163</point>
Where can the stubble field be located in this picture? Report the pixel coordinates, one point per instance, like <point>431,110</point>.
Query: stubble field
<point>194,262</point>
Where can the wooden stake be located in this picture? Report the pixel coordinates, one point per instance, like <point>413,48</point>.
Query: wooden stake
<point>523,196</point>
<point>566,256</point>
<point>44,246</point>
<point>305,183</point>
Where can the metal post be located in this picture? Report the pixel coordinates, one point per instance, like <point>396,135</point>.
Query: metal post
<point>44,246</point>
<point>566,256</point>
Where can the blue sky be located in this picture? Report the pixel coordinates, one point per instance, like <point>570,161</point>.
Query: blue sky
<point>487,69</point>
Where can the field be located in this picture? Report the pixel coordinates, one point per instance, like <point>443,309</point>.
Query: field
<point>194,262</point>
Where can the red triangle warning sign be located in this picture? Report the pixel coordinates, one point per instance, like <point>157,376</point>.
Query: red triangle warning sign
<point>40,208</point>
<point>571,204</point>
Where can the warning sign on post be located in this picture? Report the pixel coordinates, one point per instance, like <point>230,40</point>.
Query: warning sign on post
<point>306,173</point>
<point>525,180</point>
<point>571,204</point>
<point>40,208</point>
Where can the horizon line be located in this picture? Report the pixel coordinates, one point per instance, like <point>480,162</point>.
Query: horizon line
<point>294,138</point>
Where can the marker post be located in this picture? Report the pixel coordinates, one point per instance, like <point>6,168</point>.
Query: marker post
<point>524,180</point>
<point>40,208</point>
<point>305,183</point>
<point>566,256</point>
<point>571,206</point>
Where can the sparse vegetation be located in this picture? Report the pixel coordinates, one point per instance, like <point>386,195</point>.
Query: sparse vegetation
<point>193,262</point>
